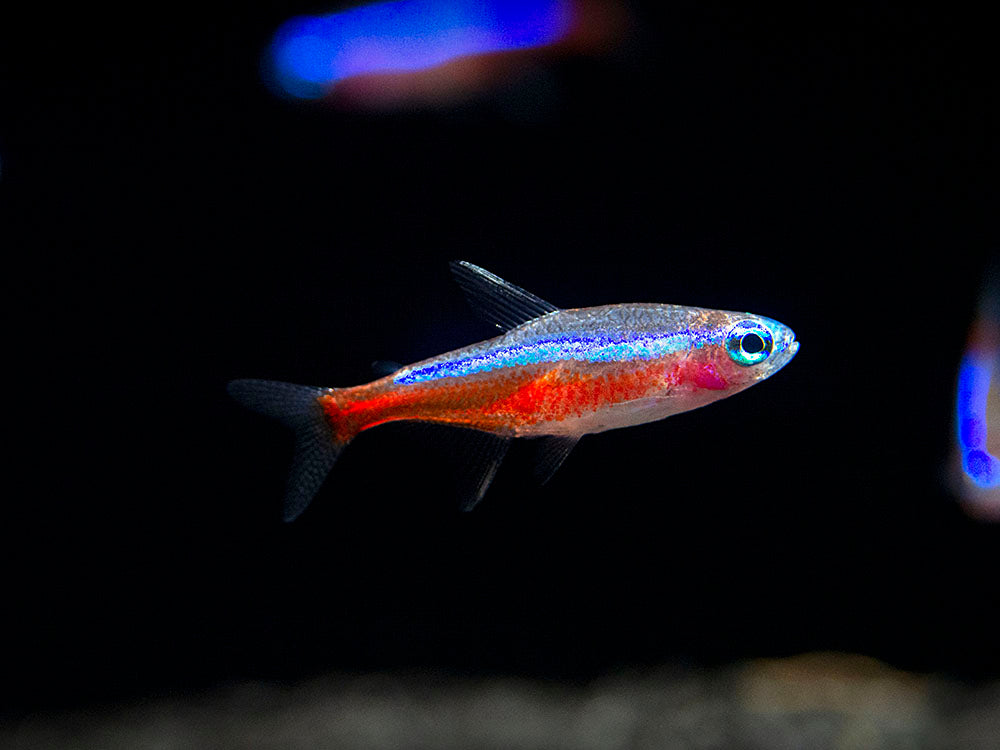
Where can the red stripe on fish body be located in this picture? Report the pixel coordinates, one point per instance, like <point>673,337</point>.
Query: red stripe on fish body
<point>464,401</point>
<point>505,401</point>
<point>520,400</point>
<point>573,391</point>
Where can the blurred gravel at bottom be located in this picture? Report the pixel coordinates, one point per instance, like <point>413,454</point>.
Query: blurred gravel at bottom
<point>813,701</point>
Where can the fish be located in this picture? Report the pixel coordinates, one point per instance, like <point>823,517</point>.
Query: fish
<point>976,453</point>
<point>553,375</point>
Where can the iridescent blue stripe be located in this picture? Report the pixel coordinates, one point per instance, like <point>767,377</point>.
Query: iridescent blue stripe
<point>580,348</point>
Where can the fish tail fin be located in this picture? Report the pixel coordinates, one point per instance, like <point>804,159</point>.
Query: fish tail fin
<point>318,442</point>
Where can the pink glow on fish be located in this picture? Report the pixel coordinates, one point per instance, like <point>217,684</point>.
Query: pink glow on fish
<point>708,377</point>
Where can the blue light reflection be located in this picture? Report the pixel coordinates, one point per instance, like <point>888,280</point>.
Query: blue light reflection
<point>311,53</point>
<point>973,386</point>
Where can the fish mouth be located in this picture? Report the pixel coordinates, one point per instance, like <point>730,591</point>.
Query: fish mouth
<point>785,345</point>
<point>788,350</point>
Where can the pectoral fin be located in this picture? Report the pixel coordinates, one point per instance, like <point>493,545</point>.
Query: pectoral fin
<point>551,451</point>
<point>481,456</point>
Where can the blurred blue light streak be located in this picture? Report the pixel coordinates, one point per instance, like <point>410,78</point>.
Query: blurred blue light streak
<point>311,53</point>
<point>974,376</point>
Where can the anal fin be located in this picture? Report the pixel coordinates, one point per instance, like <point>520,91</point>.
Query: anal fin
<point>466,460</point>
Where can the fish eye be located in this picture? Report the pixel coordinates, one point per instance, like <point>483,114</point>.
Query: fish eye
<point>749,343</point>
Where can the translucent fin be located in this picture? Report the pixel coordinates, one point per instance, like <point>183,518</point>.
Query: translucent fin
<point>551,452</point>
<point>500,302</point>
<point>484,453</point>
<point>316,449</point>
<point>383,367</point>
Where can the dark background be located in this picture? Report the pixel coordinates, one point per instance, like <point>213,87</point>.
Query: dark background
<point>170,224</point>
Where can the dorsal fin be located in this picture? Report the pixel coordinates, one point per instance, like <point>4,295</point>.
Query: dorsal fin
<point>500,302</point>
<point>383,367</point>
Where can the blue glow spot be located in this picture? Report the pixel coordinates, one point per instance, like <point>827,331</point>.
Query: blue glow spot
<point>973,386</point>
<point>973,432</point>
<point>311,53</point>
<point>979,465</point>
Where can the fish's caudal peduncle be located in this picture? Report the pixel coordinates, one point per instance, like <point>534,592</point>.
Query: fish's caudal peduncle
<point>553,374</point>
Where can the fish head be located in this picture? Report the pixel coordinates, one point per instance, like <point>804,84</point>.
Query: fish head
<point>750,348</point>
<point>731,351</point>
